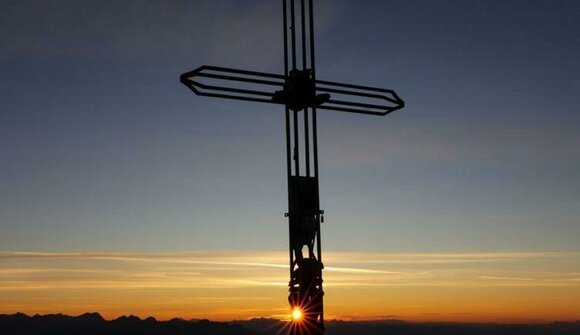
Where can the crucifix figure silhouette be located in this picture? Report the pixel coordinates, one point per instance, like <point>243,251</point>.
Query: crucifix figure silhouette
<point>302,95</point>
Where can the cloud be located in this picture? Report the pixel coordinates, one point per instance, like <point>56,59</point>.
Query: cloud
<point>35,270</point>
<point>239,284</point>
<point>508,278</point>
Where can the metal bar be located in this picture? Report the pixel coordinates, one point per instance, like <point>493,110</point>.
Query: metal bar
<point>229,89</point>
<point>288,144</point>
<point>304,67</point>
<point>311,24</point>
<point>359,87</point>
<point>319,255</point>
<point>246,72</point>
<point>295,123</point>
<point>293,28</point>
<point>359,111</point>
<point>285,22</point>
<point>313,69</point>
<point>356,104</point>
<point>315,143</point>
<point>296,146</point>
<point>306,143</point>
<point>289,174</point>
<point>303,31</point>
<point>246,80</point>
<point>224,96</point>
<point>315,148</point>
<point>360,94</point>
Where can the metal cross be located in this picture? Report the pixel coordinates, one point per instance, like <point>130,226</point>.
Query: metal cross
<point>301,93</point>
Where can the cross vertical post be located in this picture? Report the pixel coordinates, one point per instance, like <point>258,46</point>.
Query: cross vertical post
<point>305,286</point>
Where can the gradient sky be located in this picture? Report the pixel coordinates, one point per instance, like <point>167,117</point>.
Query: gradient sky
<point>104,152</point>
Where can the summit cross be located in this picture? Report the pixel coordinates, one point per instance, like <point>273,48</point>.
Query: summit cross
<point>302,95</point>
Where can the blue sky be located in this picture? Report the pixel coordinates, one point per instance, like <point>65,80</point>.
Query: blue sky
<point>102,149</point>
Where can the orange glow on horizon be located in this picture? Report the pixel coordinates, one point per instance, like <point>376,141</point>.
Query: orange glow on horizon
<point>222,286</point>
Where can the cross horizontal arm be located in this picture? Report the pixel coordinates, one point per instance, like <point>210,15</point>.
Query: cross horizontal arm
<point>258,81</point>
<point>261,87</point>
<point>369,100</point>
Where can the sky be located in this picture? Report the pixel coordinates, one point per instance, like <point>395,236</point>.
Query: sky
<point>124,193</point>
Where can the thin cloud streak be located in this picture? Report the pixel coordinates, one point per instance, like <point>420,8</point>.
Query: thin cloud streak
<point>194,282</point>
<point>225,270</point>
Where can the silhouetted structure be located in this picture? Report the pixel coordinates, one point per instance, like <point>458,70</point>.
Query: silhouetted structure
<point>94,324</point>
<point>299,91</point>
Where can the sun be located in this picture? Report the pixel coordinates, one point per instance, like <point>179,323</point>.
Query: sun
<point>296,314</point>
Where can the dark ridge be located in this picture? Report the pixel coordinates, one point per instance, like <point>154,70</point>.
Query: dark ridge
<point>94,324</point>
<point>95,317</point>
<point>395,327</point>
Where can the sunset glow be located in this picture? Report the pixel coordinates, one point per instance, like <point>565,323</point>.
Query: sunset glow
<point>469,287</point>
<point>124,192</point>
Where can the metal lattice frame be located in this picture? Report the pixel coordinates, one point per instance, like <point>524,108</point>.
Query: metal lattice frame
<point>302,95</point>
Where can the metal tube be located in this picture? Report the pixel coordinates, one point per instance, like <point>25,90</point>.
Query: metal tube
<point>242,79</point>
<point>357,104</point>
<point>296,146</point>
<point>306,143</point>
<point>358,94</point>
<point>315,147</point>
<point>293,28</point>
<point>230,89</point>
<point>358,87</point>
<point>232,97</point>
<point>288,144</point>
<point>314,112</point>
<point>304,67</point>
<point>361,111</point>
<point>289,172</point>
<point>295,123</point>
<point>311,24</point>
<point>303,31</point>
<point>285,23</point>
<point>239,71</point>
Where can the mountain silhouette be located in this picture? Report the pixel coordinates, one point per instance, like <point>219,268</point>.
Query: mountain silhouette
<point>95,324</point>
